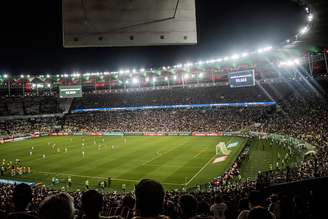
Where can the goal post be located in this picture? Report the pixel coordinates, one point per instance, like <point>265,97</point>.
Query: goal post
<point>221,149</point>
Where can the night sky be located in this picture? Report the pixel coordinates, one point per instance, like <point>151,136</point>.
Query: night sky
<point>31,36</point>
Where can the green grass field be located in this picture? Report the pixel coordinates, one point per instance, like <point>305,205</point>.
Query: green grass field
<point>175,161</point>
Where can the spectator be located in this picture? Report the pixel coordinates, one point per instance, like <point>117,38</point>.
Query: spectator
<point>188,206</point>
<point>218,208</point>
<point>149,199</point>
<point>92,203</point>
<point>57,206</point>
<point>22,197</point>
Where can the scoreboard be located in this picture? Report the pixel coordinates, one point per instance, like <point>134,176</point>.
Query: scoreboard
<point>70,91</point>
<point>242,78</point>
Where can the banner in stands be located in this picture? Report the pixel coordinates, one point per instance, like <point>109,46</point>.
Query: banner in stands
<point>14,182</point>
<point>181,106</point>
<point>179,133</point>
<point>153,134</point>
<point>133,133</point>
<point>207,134</point>
<point>114,133</point>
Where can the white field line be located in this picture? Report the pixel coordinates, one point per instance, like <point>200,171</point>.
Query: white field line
<point>155,158</point>
<point>201,169</point>
<point>205,165</point>
<point>99,177</point>
<point>198,154</point>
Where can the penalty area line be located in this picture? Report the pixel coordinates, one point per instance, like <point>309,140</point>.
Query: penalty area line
<point>100,177</point>
<point>203,167</point>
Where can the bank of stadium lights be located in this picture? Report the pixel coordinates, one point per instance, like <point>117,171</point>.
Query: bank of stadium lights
<point>244,54</point>
<point>304,30</point>
<point>135,81</point>
<point>310,17</point>
<point>290,63</point>
<point>5,76</point>
<point>235,56</point>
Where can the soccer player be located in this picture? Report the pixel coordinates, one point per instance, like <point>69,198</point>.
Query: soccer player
<point>65,150</point>
<point>87,184</point>
<point>30,153</point>
<point>69,180</point>
<point>82,153</point>
<point>43,156</point>
<point>124,140</point>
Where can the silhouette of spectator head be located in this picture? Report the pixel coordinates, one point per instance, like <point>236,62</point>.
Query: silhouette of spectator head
<point>22,196</point>
<point>255,198</point>
<point>149,198</point>
<point>259,213</point>
<point>188,206</point>
<point>92,203</point>
<point>57,206</point>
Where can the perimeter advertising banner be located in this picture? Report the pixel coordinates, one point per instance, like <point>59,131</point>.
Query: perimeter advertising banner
<point>207,134</point>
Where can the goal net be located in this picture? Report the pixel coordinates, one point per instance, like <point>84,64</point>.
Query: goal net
<point>221,149</point>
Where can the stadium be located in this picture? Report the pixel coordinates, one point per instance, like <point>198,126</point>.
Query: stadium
<point>235,135</point>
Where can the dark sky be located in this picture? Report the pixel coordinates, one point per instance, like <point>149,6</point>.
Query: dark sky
<point>31,36</point>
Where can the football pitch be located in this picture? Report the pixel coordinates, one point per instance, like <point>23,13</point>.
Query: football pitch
<point>175,161</point>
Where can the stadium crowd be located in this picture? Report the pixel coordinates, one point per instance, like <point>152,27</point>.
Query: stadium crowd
<point>150,201</point>
<point>302,116</point>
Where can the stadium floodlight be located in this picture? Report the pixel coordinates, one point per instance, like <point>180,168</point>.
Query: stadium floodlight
<point>288,41</point>
<point>106,73</point>
<point>260,50</point>
<point>219,60</point>
<point>134,71</point>
<point>200,63</point>
<point>28,76</point>
<point>179,65</point>
<point>166,78</point>
<point>135,81</point>
<point>244,54</point>
<point>22,76</point>
<point>310,17</point>
<point>235,56</point>
<point>127,71</point>
<point>304,30</point>
<point>147,79</point>
<point>154,79</point>
<point>142,70</point>
<point>121,72</point>
<point>226,58</point>
<point>5,76</point>
<point>49,85</point>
